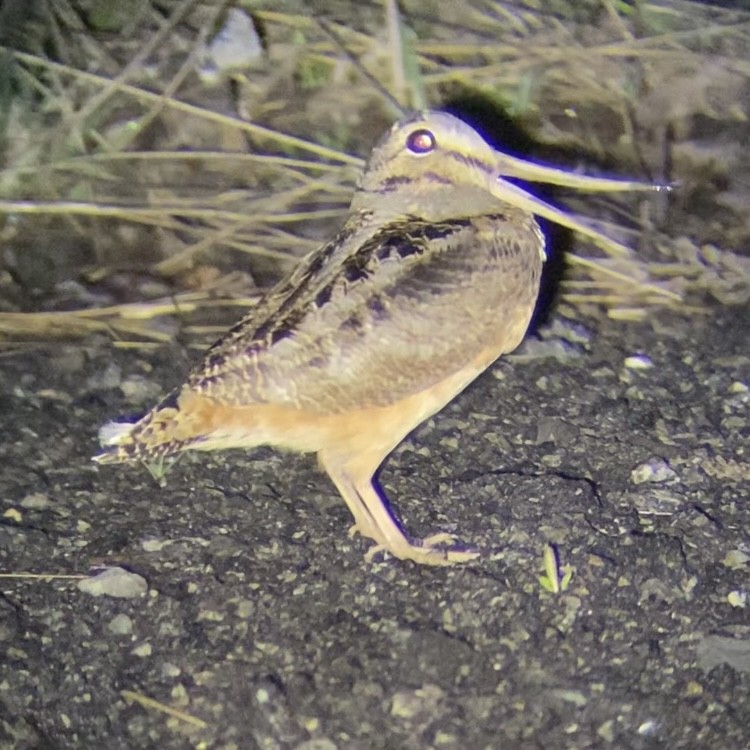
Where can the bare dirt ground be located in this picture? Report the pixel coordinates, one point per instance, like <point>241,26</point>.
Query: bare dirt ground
<point>230,609</point>
<point>260,618</point>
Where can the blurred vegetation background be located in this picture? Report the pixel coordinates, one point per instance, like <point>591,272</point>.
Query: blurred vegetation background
<point>162,161</point>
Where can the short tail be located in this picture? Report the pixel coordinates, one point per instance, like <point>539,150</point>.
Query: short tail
<point>162,432</point>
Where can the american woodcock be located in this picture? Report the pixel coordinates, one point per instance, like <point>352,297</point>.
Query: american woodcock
<point>433,276</point>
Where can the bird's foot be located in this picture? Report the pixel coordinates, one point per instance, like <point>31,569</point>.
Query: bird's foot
<point>425,551</point>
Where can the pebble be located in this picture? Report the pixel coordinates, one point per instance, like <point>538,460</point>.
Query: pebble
<point>138,389</point>
<point>236,46</point>
<point>106,379</point>
<point>116,582</point>
<point>318,743</point>
<point>120,625</point>
<point>638,362</point>
<point>36,501</point>
<point>533,349</point>
<point>654,471</point>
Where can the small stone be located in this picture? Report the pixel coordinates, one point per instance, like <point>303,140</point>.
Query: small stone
<point>648,728</point>
<point>170,670</point>
<point>320,743</point>
<point>52,394</point>
<point>138,390</point>
<point>235,47</point>
<point>693,689</point>
<point>654,471</point>
<point>411,704</point>
<point>210,615</point>
<point>638,362</point>
<point>36,501</point>
<point>106,379</point>
<point>116,582</point>
<point>736,559</point>
<point>144,649</point>
<point>534,349</point>
<point>574,697</point>
<point>155,545</point>
<point>445,739</point>
<point>568,330</point>
<point>738,599</point>
<point>606,731</point>
<point>120,625</point>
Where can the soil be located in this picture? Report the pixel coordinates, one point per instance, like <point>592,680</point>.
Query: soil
<point>236,597</point>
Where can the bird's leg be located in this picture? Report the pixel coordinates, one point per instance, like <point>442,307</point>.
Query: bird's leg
<point>354,480</point>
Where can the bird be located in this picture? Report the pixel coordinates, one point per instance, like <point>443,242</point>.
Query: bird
<point>434,275</point>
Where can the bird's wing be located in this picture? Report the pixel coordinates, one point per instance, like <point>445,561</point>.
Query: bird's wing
<point>366,321</point>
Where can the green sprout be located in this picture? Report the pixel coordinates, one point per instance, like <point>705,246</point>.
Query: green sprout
<point>158,468</point>
<point>556,577</point>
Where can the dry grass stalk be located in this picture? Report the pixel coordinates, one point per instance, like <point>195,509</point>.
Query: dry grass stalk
<point>532,60</point>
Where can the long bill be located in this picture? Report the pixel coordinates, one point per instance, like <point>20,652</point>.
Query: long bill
<point>511,166</point>
<point>518,197</point>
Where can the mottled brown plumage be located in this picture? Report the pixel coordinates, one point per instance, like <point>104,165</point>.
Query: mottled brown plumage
<point>434,275</point>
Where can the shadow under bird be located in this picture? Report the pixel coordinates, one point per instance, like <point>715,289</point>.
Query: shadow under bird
<point>434,275</point>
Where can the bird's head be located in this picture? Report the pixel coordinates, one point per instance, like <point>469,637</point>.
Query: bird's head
<point>432,165</point>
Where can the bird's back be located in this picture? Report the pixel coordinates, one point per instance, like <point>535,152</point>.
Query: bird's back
<point>384,311</point>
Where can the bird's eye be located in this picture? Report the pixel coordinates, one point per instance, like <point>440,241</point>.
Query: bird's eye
<point>421,142</point>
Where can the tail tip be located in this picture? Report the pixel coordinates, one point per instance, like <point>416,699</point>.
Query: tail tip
<point>112,436</point>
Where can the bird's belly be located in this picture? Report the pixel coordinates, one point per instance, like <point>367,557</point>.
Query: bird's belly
<point>225,426</point>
